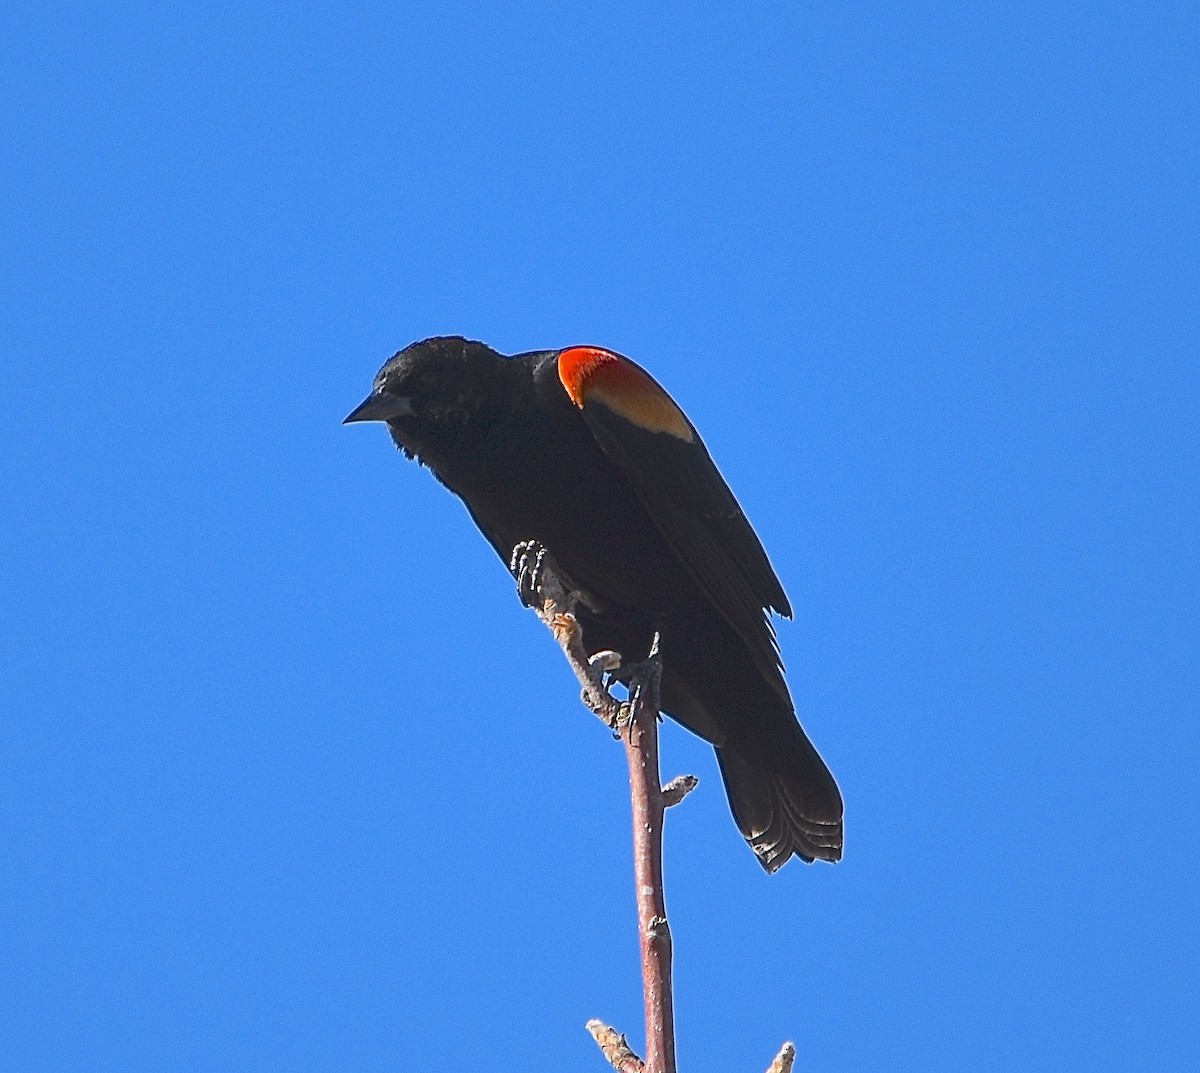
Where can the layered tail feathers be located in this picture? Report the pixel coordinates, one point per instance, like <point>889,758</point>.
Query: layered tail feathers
<point>794,811</point>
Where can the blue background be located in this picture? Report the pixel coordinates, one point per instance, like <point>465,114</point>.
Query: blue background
<point>289,780</point>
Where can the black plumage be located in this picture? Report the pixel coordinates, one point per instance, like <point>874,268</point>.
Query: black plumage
<point>532,445</point>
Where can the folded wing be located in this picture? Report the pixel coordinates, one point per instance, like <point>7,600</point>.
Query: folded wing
<point>640,427</point>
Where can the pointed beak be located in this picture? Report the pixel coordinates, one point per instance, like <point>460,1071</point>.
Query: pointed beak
<point>380,407</point>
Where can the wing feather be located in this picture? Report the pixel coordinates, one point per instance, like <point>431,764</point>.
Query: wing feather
<point>689,501</point>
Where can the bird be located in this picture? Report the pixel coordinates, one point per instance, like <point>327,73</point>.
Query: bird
<point>581,450</point>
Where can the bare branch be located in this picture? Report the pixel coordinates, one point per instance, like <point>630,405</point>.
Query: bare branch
<point>542,587</point>
<point>641,753</point>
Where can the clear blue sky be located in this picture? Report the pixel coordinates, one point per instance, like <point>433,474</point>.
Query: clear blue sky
<point>289,780</point>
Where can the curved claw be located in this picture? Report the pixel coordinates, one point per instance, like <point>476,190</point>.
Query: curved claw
<point>526,564</point>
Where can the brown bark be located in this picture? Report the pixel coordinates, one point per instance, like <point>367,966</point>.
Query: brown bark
<point>641,752</point>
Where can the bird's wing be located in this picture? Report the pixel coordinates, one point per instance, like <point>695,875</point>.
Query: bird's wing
<point>649,438</point>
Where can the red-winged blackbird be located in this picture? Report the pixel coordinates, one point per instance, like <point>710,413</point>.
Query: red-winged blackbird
<point>582,451</point>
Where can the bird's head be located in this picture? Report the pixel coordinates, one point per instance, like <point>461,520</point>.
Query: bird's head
<point>431,390</point>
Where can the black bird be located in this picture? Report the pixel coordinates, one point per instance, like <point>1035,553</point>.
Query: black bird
<point>530,444</point>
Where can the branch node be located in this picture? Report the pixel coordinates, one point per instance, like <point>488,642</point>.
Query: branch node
<point>605,660</point>
<point>678,788</point>
<point>615,1048</point>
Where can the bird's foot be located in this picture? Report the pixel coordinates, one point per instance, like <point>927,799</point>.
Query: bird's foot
<point>644,681</point>
<point>527,564</point>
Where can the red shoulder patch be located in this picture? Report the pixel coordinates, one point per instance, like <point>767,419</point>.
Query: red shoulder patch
<point>591,374</point>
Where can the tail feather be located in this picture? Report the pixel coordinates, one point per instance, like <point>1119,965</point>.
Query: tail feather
<point>784,812</point>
